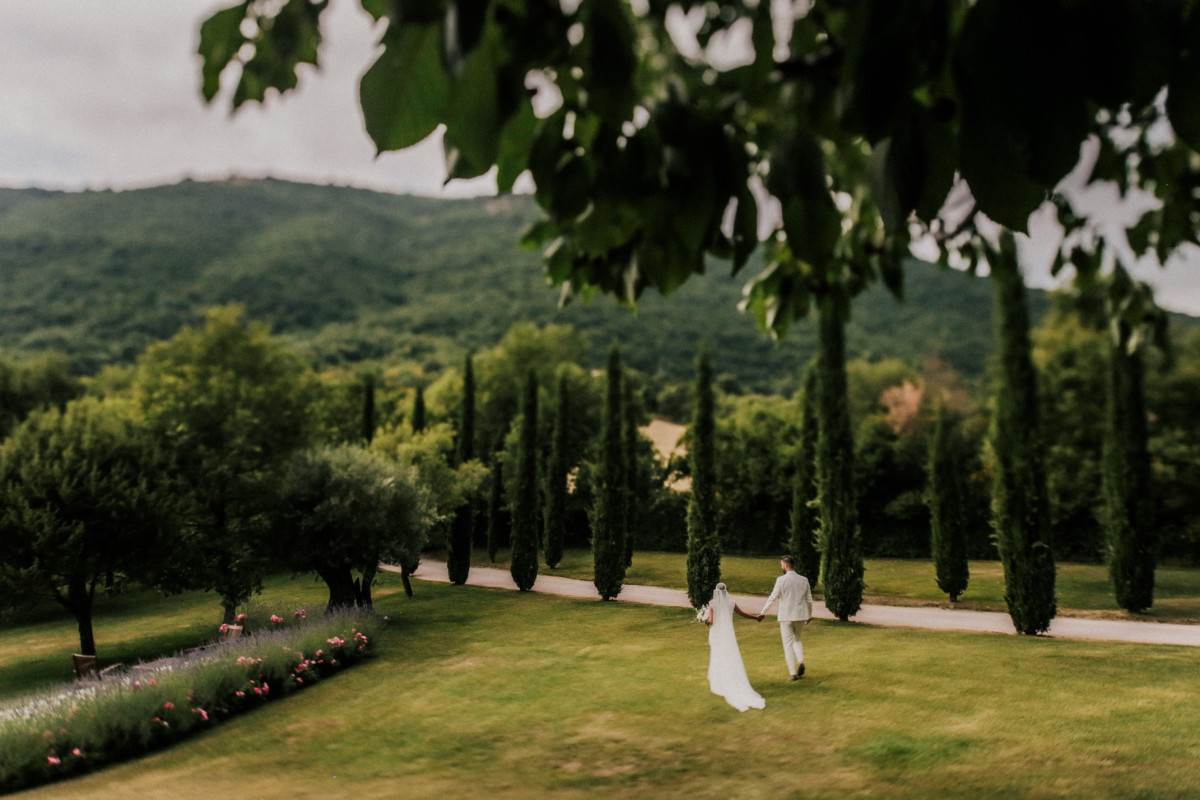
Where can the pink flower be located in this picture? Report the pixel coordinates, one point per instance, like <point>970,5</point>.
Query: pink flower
<point>299,680</point>
<point>168,706</point>
<point>239,693</point>
<point>223,629</point>
<point>266,688</point>
<point>151,682</point>
<point>53,761</point>
<point>257,691</point>
<point>239,619</point>
<point>333,662</point>
<point>300,613</point>
<point>335,642</point>
<point>77,752</point>
<point>200,712</point>
<point>320,654</point>
<point>276,619</point>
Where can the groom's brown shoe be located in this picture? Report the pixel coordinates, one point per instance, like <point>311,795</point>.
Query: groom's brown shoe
<point>800,673</point>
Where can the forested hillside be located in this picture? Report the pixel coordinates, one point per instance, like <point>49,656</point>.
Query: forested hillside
<point>357,275</point>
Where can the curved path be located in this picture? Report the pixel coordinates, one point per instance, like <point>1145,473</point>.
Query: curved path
<point>937,619</point>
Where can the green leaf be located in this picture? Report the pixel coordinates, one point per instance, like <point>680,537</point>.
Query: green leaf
<point>405,92</point>
<point>515,141</point>
<point>473,114</point>
<point>220,39</point>
<point>810,219</point>
<point>1183,93</point>
<point>745,229</point>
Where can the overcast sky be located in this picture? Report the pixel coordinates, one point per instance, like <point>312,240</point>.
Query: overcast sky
<point>105,94</point>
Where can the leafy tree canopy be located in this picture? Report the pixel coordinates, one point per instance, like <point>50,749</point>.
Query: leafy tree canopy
<point>854,120</point>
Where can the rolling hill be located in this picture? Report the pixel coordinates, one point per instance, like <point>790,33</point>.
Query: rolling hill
<point>356,275</point>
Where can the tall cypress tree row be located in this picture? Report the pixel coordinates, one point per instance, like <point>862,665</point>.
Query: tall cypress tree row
<point>418,411</point>
<point>556,478</point>
<point>633,489</point>
<point>368,409</point>
<point>842,572</point>
<point>806,519</point>
<point>1020,504</point>
<point>524,564</point>
<point>458,550</point>
<point>945,494</point>
<point>608,514</point>
<point>1128,509</point>
<point>704,546</point>
<point>496,521</point>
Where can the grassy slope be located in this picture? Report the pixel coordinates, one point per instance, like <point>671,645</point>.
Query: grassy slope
<point>495,694</point>
<point>1083,589</point>
<point>354,274</point>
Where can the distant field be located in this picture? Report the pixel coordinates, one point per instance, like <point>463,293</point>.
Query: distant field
<point>1083,589</point>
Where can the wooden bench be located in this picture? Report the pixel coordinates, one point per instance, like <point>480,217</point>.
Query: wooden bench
<point>87,668</point>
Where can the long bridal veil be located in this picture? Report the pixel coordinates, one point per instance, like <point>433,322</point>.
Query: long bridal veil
<point>726,672</point>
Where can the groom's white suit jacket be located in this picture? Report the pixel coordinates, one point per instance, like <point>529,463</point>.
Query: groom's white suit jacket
<point>794,596</point>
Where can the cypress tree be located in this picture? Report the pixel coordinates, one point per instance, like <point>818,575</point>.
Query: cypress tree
<point>418,411</point>
<point>806,519</point>
<point>556,478</point>
<point>524,562</point>
<point>458,551</point>
<point>633,489</point>
<point>608,515</point>
<point>1127,512</point>
<point>495,522</point>
<point>842,559</point>
<point>704,546</point>
<point>1020,504</point>
<point>368,409</point>
<point>945,495</point>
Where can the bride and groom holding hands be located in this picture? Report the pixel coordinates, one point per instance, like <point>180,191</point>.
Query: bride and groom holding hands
<point>726,671</point>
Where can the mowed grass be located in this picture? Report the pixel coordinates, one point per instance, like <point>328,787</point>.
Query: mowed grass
<point>484,693</point>
<point>137,626</point>
<point>1083,589</point>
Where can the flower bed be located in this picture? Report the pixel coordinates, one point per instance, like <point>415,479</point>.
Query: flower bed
<point>86,725</point>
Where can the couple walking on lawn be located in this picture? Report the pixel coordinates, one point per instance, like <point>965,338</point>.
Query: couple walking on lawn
<point>726,671</point>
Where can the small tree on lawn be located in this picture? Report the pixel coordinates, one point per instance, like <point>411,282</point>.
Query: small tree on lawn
<point>634,493</point>
<point>524,563</point>
<point>608,513</point>
<point>230,404</point>
<point>458,546</point>
<point>343,510</point>
<point>945,495</point>
<point>841,539</point>
<point>1020,504</point>
<point>79,500</point>
<point>704,546</point>
<point>556,477</point>
<point>498,523</point>
<point>806,518</point>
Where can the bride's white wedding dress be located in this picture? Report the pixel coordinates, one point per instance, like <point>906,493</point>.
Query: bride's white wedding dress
<point>726,672</point>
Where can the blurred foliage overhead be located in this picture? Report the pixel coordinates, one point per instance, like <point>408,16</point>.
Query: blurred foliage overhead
<point>652,148</point>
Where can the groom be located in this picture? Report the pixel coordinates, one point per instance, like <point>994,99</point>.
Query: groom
<point>795,610</point>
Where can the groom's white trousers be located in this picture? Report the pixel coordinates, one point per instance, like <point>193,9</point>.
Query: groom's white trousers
<point>793,648</point>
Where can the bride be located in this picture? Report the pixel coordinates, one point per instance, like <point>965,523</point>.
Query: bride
<point>726,672</point>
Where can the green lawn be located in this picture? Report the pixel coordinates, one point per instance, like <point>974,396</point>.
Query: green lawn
<point>1083,589</point>
<point>495,694</point>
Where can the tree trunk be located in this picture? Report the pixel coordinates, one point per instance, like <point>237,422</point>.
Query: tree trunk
<point>79,602</point>
<point>228,611</point>
<point>406,571</point>
<point>364,586</point>
<point>342,592</point>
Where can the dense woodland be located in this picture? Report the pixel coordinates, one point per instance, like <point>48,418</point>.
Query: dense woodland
<point>354,276</point>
